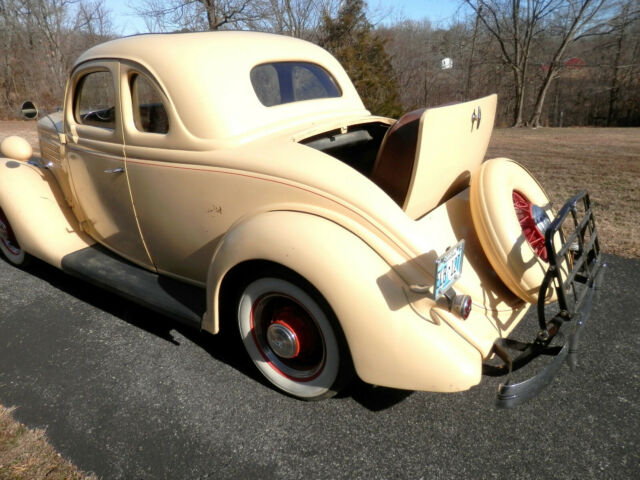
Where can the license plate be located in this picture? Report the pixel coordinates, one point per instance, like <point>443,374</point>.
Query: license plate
<point>448,269</point>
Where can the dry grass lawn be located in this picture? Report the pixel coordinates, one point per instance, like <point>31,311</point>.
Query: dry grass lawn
<point>26,454</point>
<point>605,161</point>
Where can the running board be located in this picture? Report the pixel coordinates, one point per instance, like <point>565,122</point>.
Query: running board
<point>97,265</point>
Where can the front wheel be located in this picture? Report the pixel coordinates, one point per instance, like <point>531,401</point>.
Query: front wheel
<point>293,338</point>
<point>9,244</point>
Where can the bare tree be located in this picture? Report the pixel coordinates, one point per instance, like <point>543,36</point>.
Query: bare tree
<point>628,14</point>
<point>514,24</point>
<point>94,20</point>
<point>46,22</point>
<point>39,41</point>
<point>410,45</point>
<point>199,15</point>
<point>296,18</point>
<point>573,20</point>
<point>7,38</point>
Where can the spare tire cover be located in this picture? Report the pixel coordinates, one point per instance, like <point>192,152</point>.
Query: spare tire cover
<point>501,190</point>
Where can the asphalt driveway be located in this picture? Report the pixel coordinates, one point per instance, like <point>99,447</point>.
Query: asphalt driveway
<point>126,393</point>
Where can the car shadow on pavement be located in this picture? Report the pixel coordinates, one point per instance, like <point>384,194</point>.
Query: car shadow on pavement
<point>225,346</point>
<point>375,398</point>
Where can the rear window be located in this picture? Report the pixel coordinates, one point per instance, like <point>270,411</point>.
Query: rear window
<point>286,82</point>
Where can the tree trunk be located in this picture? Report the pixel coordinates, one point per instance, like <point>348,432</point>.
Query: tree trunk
<point>520,91</point>
<point>212,21</point>
<point>587,10</point>
<point>467,89</point>
<point>614,88</point>
<point>542,93</point>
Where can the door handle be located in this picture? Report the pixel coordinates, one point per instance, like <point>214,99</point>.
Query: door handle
<point>114,170</point>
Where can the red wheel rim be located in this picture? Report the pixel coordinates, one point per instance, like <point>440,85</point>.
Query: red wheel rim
<point>524,212</point>
<point>301,356</point>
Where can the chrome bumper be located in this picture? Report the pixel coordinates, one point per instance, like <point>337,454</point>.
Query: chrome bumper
<point>575,273</point>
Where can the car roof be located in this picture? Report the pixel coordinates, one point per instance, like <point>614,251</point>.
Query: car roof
<point>206,75</point>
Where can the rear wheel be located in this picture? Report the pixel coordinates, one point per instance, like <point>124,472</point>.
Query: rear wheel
<point>293,338</point>
<point>9,244</point>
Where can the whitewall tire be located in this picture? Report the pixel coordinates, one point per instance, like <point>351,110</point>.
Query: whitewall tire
<point>292,338</point>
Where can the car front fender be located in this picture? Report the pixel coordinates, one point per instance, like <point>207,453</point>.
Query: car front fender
<point>389,343</point>
<point>41,220</point>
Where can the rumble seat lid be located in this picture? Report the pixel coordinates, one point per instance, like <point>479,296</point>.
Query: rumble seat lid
<point>452,142</point>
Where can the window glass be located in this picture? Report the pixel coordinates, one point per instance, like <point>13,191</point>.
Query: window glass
<point>264,79</point>
<point>310,81</point>
<point>149,113</point>
<point>286,82</point>
<point>96,100</point>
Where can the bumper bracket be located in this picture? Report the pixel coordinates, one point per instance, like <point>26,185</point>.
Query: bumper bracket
<point>575,273</point>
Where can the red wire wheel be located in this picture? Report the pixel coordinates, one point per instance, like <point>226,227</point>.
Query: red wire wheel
<point>530,227</point>
<point>510,212</point>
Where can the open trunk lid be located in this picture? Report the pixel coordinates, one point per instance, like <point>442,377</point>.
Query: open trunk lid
<point>451,143</point>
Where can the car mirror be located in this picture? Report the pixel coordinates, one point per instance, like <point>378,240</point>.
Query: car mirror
<point>29,110</point>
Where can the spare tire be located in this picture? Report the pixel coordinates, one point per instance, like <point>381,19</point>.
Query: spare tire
<point>511,212</point>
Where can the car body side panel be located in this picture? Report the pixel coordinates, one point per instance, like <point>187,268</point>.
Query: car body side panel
<point>34,205</point>
<point>183,233</point>
<point>185,208</point>
<point>389,343</point>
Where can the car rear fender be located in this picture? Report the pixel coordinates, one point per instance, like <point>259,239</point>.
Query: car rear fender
<point>39,216</point>
<point>389,343</point>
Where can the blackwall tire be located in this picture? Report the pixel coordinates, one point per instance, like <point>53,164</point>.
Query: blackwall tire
<point>293,338</point>
<point>515,252</point>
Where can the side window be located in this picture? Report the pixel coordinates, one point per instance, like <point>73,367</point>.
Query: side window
<point>149,113</point>
<point>95,100</point>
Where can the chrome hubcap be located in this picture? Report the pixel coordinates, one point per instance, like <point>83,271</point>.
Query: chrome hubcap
<point>282,340</point>
<point>541,218</point>
<point>288,337</point>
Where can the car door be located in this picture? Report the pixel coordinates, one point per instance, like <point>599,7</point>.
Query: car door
<point>172,198</point>
<point>95,154</point>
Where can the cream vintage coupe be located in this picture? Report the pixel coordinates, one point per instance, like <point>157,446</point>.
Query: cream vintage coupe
<point>235,180</point>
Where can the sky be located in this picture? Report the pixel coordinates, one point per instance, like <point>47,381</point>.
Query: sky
<point>439,12</point>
